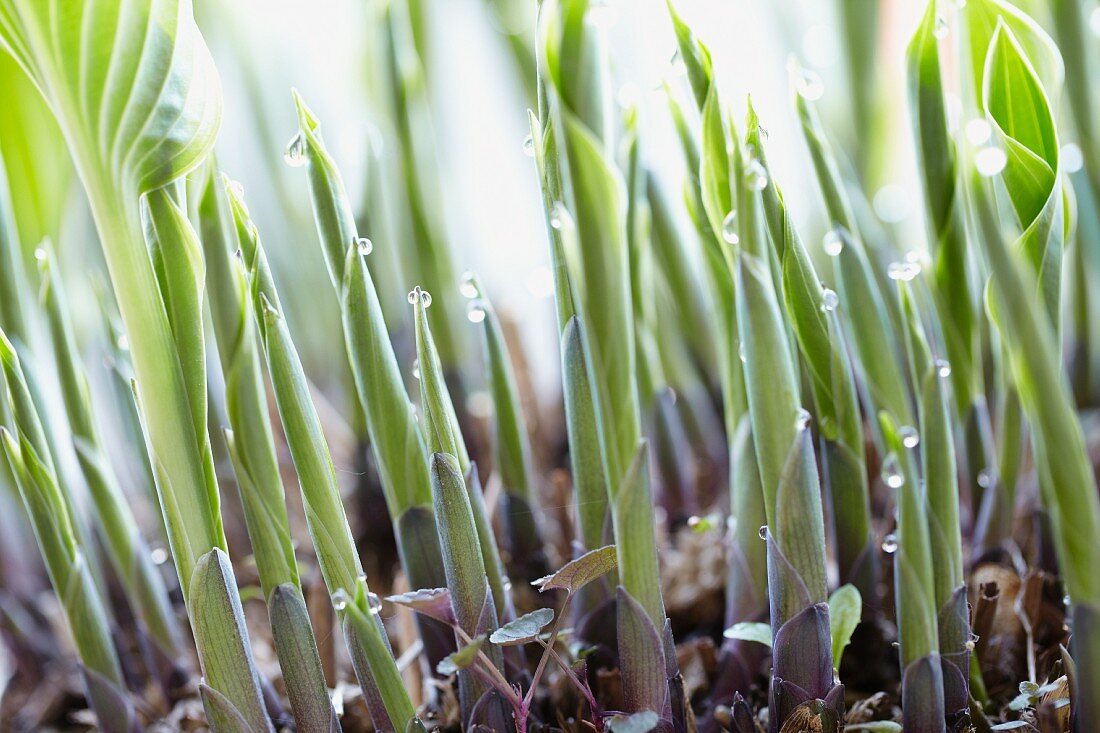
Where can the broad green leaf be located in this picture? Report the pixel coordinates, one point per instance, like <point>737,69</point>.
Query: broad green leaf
<point>578,573</point>
<point>750,631</point>
<point>524,629</point>
<point>845,611</point>
<point>1018,107</point>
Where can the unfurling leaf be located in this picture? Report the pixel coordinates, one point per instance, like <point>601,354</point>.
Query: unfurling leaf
<point>523,629</point>
<point>462,659</point>
<point>433,602</point>
<point>578,573</point>
<point>845,609</point>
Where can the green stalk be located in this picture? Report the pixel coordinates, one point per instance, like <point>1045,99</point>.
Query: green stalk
<point>600,272</point>
<point>952,270</point>
<point>861,299</point>
<point>940,474</point>
<point>388,701</point>
<point>428,257</point>
<point>586,462</point>
<point>802,663</point>
<point>710,203</point>
<point>914,589</point>
<point>811,310</point>
<point>126,547</point>
<point>252,450</point>
<point>396,440</point>
<point>50,512</point>
<point>471,596</point>
<point>1067,483</point>
<point>511,443</point>
<point>445,437</point>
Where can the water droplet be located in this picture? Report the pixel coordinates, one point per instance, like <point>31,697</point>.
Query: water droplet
<point>295,153</point>
<point>416,368</point>
<point>41,254</point>
<point>1072,158</point>
<point>978,131</point>
<point>741,351</point>
<point>892,203</point>
<point>756,177</point>
<point>801,420</point>
<point>159,555</point>
<point>529,146</point>
<point>829,300</point>
<point>902,271</point>
<point>941,28</point>
<point>834,240</point>
<point>340,600</point>
<point>891,472</point>
<point>985,478</point>
<point>763,532</point>
<point>375,603</point>
<point>943,368</point>
<point>468,286</point>
<point>890,544</point>
<point>475,311</point>
<point>910,438</point>
<point>729,228</point>
<point>560,216</point>
<point>364,245</point>
<point>1067,601</point>
<point>423,296</point>
<point>808,84</point>
<point>990,161</point>
<point>123,343</point>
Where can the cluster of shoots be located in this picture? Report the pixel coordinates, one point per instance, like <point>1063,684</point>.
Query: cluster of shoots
<point>867,418</point>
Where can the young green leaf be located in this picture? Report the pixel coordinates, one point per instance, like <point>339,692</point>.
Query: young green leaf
<point>750,631</point>
<point>845,611</point>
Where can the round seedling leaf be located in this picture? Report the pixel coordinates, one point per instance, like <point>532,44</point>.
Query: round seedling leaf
<point>523,629</point>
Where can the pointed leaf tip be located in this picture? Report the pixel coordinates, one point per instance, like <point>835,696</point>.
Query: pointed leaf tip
<point>578,573</point>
